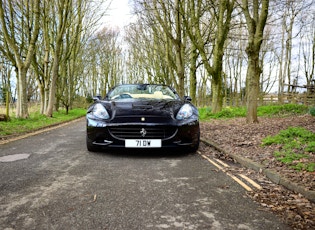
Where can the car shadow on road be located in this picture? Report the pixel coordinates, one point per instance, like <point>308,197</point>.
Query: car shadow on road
<point>145,153</point>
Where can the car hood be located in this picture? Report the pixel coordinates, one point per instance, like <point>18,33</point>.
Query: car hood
<point>129,110</point>
<point>143,107</point>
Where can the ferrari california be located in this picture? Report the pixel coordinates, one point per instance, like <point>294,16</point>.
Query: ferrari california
<point>142,116</point>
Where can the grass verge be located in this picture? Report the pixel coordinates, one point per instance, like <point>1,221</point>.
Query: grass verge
<point>37,121</point>
<point>296,146</point>
<point>262,111</point>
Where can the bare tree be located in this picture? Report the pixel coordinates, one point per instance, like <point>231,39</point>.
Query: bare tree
<point>256,16</point>
<point>167,14</point>
<point>103,61</point>
<point>308,55</point>
<point>61,11</point>
<point>152,56</point>
<point>218,29</point>
<point>71,66</point>
<point>42,57</point>
<point>20,32</point>
<point>295,18</point>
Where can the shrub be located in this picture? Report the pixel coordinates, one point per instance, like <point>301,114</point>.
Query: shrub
<point>204,112</point>
<point>312,111</point>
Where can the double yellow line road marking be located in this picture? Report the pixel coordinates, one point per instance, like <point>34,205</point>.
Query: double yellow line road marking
<point>223,166</point>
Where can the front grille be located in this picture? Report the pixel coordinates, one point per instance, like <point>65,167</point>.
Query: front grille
<point>136,132</point>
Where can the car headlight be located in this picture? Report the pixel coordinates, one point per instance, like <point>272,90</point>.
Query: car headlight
<point>185,112</point>
<point>99,111</point>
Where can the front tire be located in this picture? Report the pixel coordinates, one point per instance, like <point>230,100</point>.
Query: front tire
<point>195,146</point>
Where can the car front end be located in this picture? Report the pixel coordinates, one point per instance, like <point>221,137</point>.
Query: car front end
<point>142,123</point>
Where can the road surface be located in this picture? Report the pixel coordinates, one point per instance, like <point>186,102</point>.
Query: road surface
<point>50,181</point>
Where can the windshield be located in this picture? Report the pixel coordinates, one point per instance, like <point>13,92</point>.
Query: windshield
<point>143,91</point>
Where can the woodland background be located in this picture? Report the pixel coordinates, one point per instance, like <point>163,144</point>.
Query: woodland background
<point>221,53</point>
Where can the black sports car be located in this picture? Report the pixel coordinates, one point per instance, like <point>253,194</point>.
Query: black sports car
<point>142,116</point>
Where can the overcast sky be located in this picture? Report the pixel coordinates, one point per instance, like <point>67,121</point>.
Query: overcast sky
<point>119,13</point>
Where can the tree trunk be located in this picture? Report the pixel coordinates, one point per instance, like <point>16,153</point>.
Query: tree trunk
<point>22,111</point>
<point>192,73</point>
<point>252,88</point>
<point>255,27</point>
<point>179,49</point>
<point>52,88</point>
<point>217,98</point>
<point>180,71</point>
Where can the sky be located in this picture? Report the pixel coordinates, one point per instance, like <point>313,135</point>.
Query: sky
<point>119,13</point>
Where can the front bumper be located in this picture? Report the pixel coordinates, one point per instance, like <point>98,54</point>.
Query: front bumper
<point>112,135</point>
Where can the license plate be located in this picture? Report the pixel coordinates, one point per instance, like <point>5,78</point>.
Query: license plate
<point>141,143</point>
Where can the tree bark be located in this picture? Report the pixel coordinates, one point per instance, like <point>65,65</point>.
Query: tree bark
<point>252,87</point>
<point>192,74</point>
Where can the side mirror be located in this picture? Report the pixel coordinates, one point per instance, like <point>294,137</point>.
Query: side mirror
<point>97,98</point>
<point>187,98</point>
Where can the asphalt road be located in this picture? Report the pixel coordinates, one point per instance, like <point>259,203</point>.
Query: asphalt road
<point>50,181</point>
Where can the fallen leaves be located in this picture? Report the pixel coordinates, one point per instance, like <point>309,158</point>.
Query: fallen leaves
<point>234,135</point>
